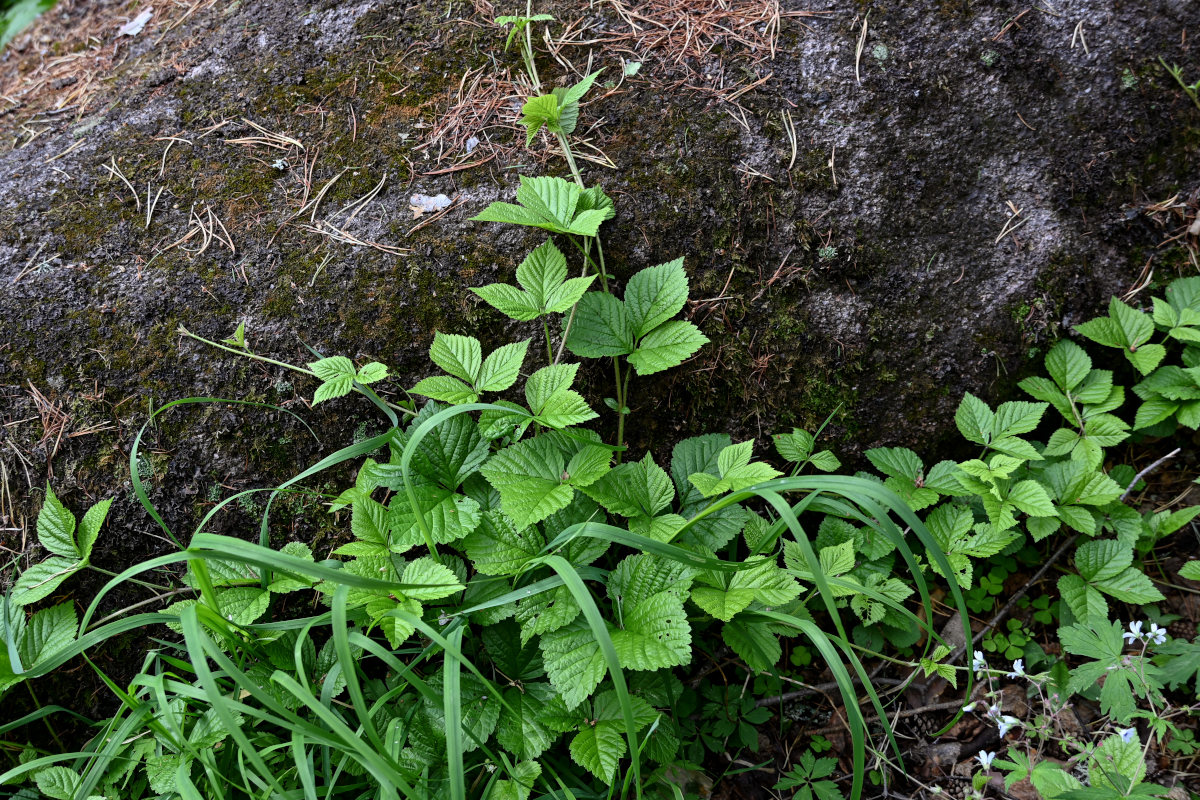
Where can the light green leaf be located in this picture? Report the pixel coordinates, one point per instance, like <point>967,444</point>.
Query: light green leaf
<point>656,634</point>
<point>450,517</point>
<point>57,782</point>
<point>587,466</point>
<point>528,476</point>
<point>496,547</point>
<point>1146,357</point>
<point>825,461</point>
<point>509,301</point>
<point>56,527</point>
<point>1102,558</point>
<point>42,579</point>
<point>89,527</point>
<point>243,605</point>
<point>552,400</point>
<point>598,748</point>
<point>1153,411</point>
<point>633,489</point>
<point>49,631</point>
<point>974,419</point>
<point>333,368</point>
<point>372,372</point>
<point>542,272</point>
<point>601,327</point>
<point>1087,604</point>
<point>519,787</point>
<point>573,662</point>
<point>502,366</point>
<point>438,580</point>
<point>654,295</point>
<point>1130,586</point>
<point>330,390</point>
<point>1068,364</point>
<point>1031,498</point>
<point>460,356</point>
<point>1190,571</point>
<point>535,113</point>
<point>897,462</point>
<point>667,346</point>
<point>445,389</point>
<point>795,446</point>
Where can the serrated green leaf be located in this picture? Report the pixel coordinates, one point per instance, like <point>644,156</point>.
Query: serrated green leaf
<point>974,419</point>
<point>795,446</point>
<point>437,580</point>
<point>42,579</point>
<point>551,399</point>
<point>654,295</point>
<point>1146,357</point>
<point>450,517</point>
<point>633,489</point>
<point>496,547</point>
<point>656,634</point>
<point>1190,571</point>
<point>509,301</point>
<point>1068,364</point>
<point>667,346</point>
<point>529,477</point>
<point>49,631</point>
<point>1130,586</point>
<point>1031,498</point>
<point>333,368</point>
<point>825,461</point>
<point>445,389</point>
<point>56,527</point>
<point>57,782</point>
<point>1102,558</point>
<point>243,605</point>
<point>460,356</point>
<point>551,198</point>
<point>371,372</point>
<point>753,643</point>
<point>601,327</point>
<point>1154,410</point>
<point>536,112</point>
<point>502,366</point>
<point>589,465</point>
<point>89,528</point>
<point>331,390</point>
<point>542,272</point>
<point>1086,603</point>
<point>573,662</point>
<point>598,747</point>
<point>897,462</point>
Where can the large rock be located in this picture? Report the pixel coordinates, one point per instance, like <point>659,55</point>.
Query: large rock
<point>871,229</point>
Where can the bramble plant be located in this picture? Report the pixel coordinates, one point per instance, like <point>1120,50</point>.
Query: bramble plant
<point>516,599</point>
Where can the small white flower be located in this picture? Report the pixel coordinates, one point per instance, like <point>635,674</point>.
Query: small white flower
<point>979,664</point>
<point>969,707</point>
<point>985,759</point>
<point>1018,669</point>
<point>1134,634</point>
<point>993,711</point>
<point>1128,735</point>
<point>1007,723</point>
<point>1156,634</point>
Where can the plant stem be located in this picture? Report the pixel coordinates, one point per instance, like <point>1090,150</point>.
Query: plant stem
<point>549,347</point>
<point>284,364</point>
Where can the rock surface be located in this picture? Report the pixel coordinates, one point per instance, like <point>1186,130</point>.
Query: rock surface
<point>870,229</point>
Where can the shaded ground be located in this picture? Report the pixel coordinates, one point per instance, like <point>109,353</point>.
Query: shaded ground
<point>883,241</point>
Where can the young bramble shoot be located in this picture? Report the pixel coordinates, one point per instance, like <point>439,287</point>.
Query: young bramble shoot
<point>338,376</point>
